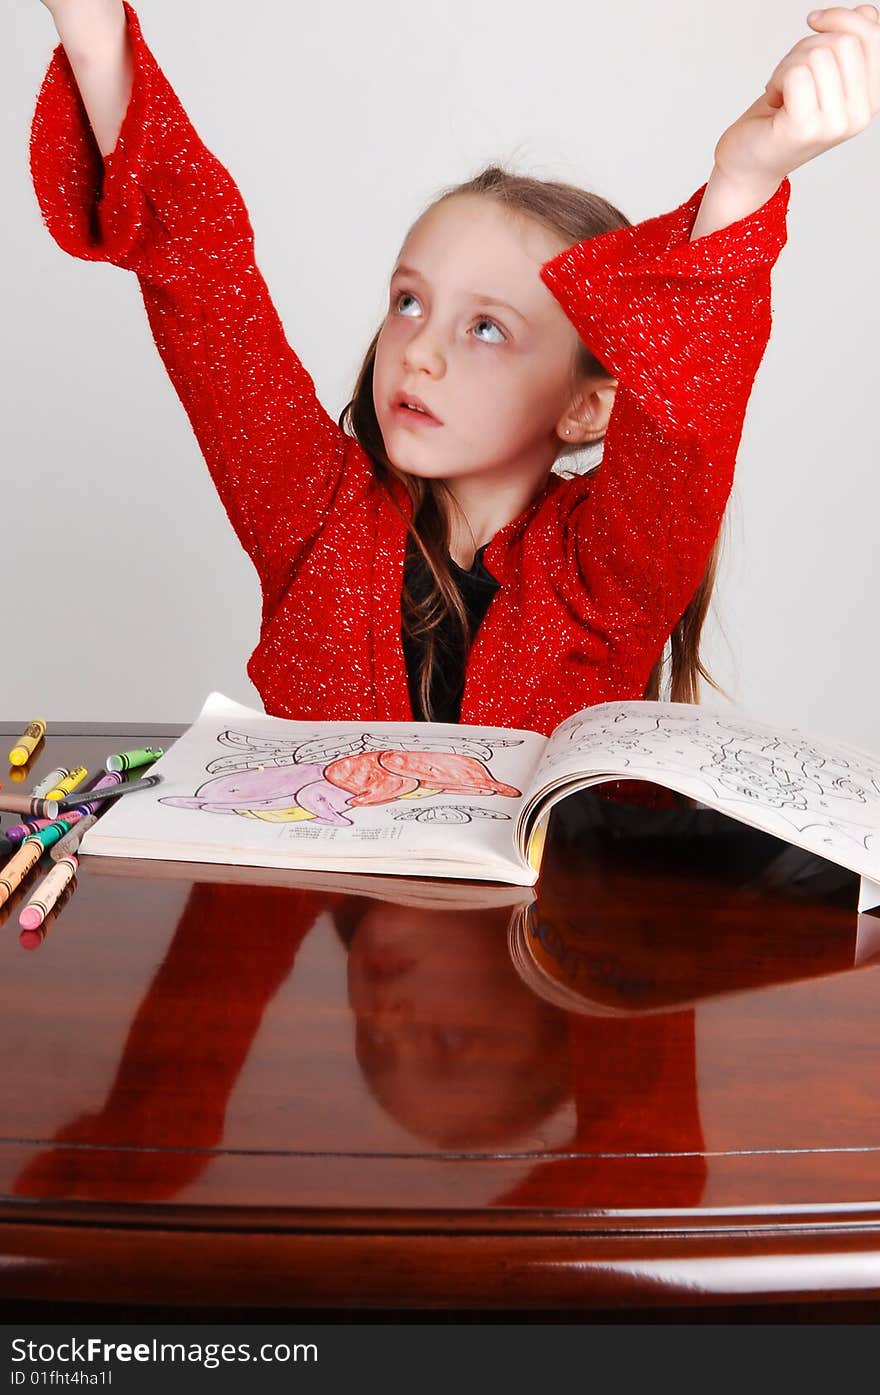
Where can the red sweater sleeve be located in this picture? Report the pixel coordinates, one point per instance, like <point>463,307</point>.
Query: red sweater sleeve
<point>683,327</point>
<point>161,205</point>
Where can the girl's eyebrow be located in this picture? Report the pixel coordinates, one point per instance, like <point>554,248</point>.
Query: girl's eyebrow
<point>480,299</point>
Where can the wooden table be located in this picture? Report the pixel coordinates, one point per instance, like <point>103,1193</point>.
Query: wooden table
<point>258,1093</point>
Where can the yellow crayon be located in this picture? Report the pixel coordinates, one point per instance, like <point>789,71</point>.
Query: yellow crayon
<point>47,782</point>
<point>28,742</point>
<point>18,866</point>
<point>68,784</point>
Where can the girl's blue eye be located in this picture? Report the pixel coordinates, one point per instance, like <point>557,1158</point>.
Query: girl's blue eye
<point>483,320</point>
<point>401,295</point>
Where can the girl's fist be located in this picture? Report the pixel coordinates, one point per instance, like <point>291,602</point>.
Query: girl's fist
<point>825,90</point>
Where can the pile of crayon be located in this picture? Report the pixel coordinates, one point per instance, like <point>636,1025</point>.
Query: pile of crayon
<point>54,816</point>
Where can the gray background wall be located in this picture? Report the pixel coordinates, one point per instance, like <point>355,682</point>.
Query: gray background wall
<point>339,122</point>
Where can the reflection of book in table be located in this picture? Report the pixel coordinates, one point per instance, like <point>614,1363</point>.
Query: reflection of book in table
<point>442,800</point>
<point>607,966</point>
<point>422,892</point>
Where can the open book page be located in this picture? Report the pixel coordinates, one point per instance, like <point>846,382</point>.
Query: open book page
<point>817,793</point>
<point>402,798</point>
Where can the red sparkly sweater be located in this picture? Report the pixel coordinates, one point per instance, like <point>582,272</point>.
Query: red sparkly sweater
<point>594,574</point>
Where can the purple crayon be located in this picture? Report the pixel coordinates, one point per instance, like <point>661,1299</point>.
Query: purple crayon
<point>82,803</point>
<point>19,831</point>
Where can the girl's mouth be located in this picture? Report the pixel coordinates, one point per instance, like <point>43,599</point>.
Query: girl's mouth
<point>410,417</point>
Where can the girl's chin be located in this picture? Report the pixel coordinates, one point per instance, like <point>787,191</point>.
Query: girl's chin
<point>406,462</point>
<point>420,471</point>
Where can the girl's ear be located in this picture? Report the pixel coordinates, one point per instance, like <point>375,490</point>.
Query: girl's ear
<point>587,415</point>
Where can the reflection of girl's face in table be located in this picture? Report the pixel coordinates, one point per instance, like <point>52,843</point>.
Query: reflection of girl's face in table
<point>452,1043</point>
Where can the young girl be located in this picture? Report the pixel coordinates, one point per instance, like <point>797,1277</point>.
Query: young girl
<point>420,559</point>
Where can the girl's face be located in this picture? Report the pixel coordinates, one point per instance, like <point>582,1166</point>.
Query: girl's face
<point>453,1043</point>
<point>474,333</point>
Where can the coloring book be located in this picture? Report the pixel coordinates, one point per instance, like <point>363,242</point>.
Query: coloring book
<point>439,799</point>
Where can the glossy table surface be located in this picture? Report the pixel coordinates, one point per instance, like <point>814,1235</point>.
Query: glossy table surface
<point>654,1078</point>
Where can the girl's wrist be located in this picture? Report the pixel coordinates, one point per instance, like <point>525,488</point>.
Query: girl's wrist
<point>730,197</point>
<point>753,185</point>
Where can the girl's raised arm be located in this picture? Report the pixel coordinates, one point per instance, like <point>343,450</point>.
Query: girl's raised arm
<point>95,38</point>
<point>148,196</point>
<point>682,324</point>
<point>677,308</point>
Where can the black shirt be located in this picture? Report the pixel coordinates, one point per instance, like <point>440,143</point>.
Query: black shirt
<point>476,587</point>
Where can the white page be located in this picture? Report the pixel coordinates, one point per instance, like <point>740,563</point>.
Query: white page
<point>815,792</point>
<point>257,792</point>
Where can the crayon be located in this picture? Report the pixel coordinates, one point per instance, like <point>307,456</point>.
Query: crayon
<point>86,803</point>
<point>17,868</point>
<point>69,783</point>
<point>28,742</point>
<point>127,760</point>
<point>71,841</point>
<point>16,835</point>
<point>44,786</point>
<point>7,845</point>
<point>49,835</point>
<point>95,796</point>
<point>27,804</point>
<point>47,893</point>
<point>10,910</point>
<point>19,831</point>
<point>32,939</point>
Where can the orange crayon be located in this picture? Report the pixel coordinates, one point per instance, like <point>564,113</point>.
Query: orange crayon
<point>18,867</point>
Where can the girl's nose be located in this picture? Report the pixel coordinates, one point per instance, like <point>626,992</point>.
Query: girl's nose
<point>423,352</point>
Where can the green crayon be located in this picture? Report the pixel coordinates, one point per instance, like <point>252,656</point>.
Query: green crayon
<point>128,760</point>
<point>47,836</point>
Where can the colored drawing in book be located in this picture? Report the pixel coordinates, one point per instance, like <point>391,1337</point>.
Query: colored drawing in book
<point>323,780</point>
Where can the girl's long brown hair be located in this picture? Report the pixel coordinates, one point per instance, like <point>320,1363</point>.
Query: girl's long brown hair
<point>574,214</point>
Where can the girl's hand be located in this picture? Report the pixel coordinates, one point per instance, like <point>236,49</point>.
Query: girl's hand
<point>825,90</point>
